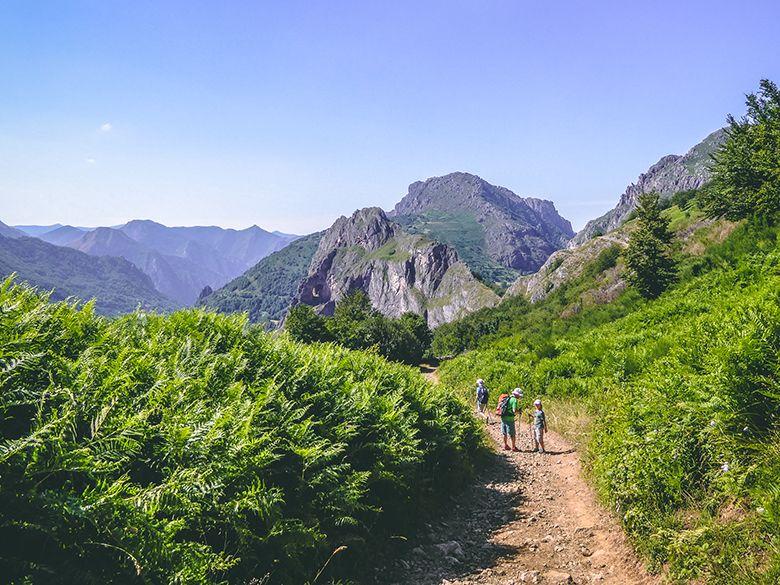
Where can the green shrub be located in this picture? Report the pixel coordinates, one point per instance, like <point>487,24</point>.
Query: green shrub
<point>355,324</point>
<point>195,449</point>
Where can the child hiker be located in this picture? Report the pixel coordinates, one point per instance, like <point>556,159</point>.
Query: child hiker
<point>507,407</point>
<point>539,423</point>
<point>482,400</point>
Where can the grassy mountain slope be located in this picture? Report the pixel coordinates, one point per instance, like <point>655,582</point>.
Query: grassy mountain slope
<point>467,236</point>
<point>116,284</point>
<point>266,290</point>
<point>191,448</point>
<point>680,398</point>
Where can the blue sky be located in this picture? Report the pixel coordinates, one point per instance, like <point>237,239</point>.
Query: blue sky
<point>289,114</point>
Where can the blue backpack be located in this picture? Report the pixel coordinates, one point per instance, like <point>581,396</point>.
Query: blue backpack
<point>482,395</point>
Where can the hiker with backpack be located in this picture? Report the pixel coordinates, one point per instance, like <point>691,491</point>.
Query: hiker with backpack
<point>482,400</point>
<point>508,407</point>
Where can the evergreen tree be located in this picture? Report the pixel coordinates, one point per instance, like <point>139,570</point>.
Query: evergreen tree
<point>651,268</point>
<point>746,173</point>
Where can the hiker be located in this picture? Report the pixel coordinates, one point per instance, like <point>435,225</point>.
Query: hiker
<point>507,407</point>
<point>539,421</point>
<point>482,400</point>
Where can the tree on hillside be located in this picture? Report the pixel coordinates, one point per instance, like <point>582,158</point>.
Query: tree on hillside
<point>746,172</point>
<point>304,324</point>
<point>651,268</point>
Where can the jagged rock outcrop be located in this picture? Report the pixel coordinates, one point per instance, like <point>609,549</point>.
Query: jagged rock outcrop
<point>566,265</point>
<point>398,271</point>
<point>517,233</point>
<point>671,174</point>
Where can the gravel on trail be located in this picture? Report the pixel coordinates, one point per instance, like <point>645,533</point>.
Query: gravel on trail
<point>530,518</point>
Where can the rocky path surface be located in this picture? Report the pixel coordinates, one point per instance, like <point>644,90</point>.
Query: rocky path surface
<point>530,519</point>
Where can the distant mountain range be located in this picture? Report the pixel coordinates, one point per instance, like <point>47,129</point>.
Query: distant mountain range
<point>437,253</point>
<point>181,261</point>
<point>116,284</point>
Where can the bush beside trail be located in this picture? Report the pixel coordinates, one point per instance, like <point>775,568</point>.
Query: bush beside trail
<point>193,448</point>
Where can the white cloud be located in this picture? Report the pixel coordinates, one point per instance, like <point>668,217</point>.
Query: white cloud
<point>106,127</point>
<point>90,160</point>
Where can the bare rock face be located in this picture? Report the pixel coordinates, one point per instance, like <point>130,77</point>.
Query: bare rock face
<point>399,272</point>
<point>519,233</point>
<point>670,175</point>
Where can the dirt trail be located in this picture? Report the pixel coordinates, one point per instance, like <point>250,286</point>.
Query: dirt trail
<point>530,519</point>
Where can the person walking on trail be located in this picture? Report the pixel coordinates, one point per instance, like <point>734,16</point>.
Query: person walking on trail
<point>508,407</point>
<point>539,422</point>
<point>482,400</point>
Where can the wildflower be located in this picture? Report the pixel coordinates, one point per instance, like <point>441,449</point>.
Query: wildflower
<point>745,430</point>
<point>712,423</point>
<point>725,467</point>
<point>760,510</point>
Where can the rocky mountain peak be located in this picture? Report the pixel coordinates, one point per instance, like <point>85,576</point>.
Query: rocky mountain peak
<point>399,272</point>
<point>671,174</point>
<point>513,232</point>
<point>368,228</point>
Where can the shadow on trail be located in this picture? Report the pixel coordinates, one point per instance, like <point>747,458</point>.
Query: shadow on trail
<point>566,452</point>
<point>460,543</point>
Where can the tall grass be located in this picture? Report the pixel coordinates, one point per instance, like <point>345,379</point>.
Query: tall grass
<point>192,448</point>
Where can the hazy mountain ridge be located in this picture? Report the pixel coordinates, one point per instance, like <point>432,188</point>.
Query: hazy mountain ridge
<point>181,261</point>
<point>117,285</point>
<point>10,232</point>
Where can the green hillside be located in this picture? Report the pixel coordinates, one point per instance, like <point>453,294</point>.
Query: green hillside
<point>116,285</point>
<point>467,236</point>
<point>266,290</point>
<point>671,393</point>
<point>192,448</point>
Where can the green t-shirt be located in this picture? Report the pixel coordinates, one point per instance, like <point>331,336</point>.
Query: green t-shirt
<point>514,406</point>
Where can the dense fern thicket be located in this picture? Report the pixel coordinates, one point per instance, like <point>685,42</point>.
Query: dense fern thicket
<point>192,448</point>
<point>684,397</point>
